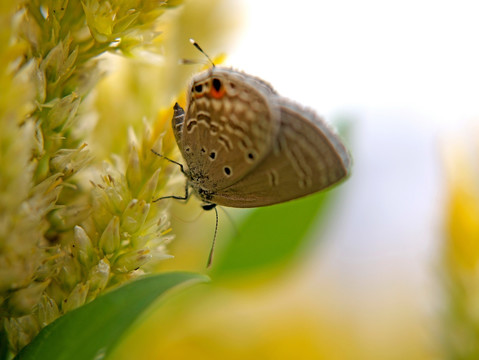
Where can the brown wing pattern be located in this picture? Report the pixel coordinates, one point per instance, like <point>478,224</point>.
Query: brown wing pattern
<point>222,139</point>
<point>306,157</point>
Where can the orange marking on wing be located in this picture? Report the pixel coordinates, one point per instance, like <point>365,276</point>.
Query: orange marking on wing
<point>218,94</point>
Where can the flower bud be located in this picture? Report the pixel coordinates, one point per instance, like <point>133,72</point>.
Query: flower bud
<point>45,194</point>
<point>83,248</point>
<point>110,239</point>
<point>76,298</point>
<point>116,201</point>
<point>148,190</point>
<point>70,273</point>
<point>131,261</point>
<point>99,275</point>
<point>63,111</point>
<point>70,161</point>
<point>134,215</point>
<point>38,142</point>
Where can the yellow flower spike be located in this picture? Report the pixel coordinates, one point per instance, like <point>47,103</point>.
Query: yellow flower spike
<point>110,238</point>
<point>50,56</point>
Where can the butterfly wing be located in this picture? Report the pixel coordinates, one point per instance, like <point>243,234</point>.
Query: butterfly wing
<point>177,122</point>
<point>306,157</point>
<point>228,129</point>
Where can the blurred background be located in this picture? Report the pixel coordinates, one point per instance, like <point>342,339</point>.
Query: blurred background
<point>383,266</point>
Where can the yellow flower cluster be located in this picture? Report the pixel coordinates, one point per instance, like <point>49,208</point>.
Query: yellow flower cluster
<point>72,223</point>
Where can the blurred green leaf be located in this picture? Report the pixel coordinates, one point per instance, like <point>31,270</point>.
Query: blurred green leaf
<point>92,330</point>
<point>270,235</point>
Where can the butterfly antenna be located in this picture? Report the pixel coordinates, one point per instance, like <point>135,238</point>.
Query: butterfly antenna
<point>196,45</point>
<point>210,256</point>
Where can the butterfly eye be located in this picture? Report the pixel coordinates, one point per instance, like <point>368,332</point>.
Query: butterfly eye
<point>217,88</point>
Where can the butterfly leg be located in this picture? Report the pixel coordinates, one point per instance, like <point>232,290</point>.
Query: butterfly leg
<point>186,196</point>
<point>170,160</point>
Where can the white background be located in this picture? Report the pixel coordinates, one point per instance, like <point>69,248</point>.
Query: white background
<point>335,55</point>
<point>405,74</point>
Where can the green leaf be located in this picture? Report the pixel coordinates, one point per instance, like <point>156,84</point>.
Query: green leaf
<point>92,330</point>
<point>270,236</point>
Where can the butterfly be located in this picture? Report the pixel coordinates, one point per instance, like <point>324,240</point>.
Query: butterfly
<point>246,146</point>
